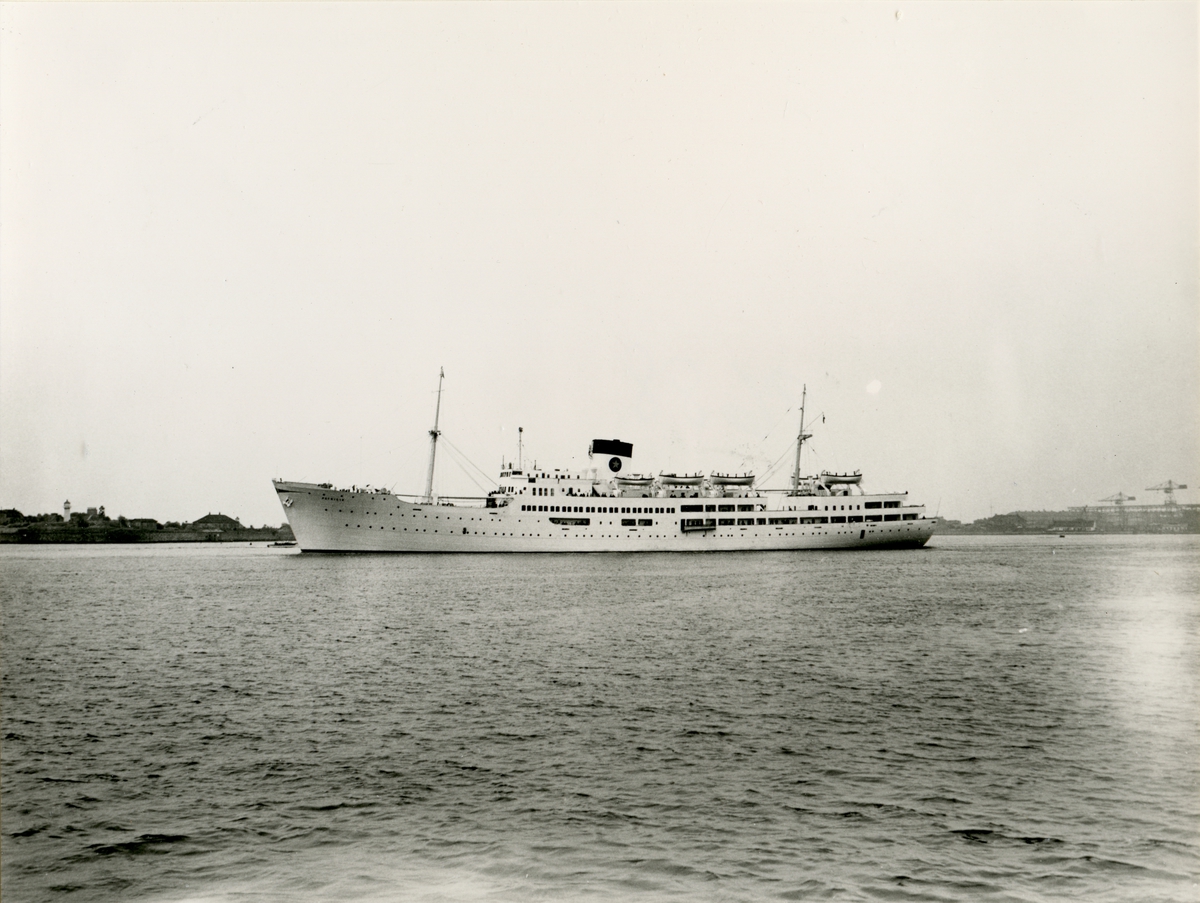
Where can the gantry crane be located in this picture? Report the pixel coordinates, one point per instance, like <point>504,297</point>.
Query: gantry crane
<point>1119,500</point>
<point>1168,490</point>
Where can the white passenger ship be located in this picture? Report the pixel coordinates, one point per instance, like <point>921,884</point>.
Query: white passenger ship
<point>603,508</point>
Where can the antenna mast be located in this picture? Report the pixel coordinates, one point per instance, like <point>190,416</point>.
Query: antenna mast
<point>520,436</point>
<point>800,444</point>
<point>433,437</point>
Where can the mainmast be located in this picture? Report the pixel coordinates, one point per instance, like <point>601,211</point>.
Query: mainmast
<point>433,437</point>
<point>800,444</point>
<point>520,436</point>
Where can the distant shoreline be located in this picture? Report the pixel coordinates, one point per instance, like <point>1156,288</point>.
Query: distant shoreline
<point>37,535</point>
<point>1162,520</point>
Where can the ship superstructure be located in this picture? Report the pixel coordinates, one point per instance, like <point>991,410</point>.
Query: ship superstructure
<point>604,507</point>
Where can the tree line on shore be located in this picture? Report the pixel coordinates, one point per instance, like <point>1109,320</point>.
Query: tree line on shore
<point>96,526</point>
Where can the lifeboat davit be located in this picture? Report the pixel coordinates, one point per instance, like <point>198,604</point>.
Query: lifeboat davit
<point>729,479</point>
<point>670,479</point>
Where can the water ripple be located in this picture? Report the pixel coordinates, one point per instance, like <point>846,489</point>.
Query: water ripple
<point>1015,718</point>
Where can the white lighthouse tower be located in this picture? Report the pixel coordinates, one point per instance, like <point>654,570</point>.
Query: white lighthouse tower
<point>67,510</point>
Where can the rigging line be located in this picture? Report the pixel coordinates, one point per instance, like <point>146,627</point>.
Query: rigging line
<point>482,472</point>
<point>771,470</point>
<point>776,426</point>
<point>468,460</point>
<point>772,429</point>
<point>767,477</point>
<point>814,459</point>
<point>455,457</point>
<point>787,451</point>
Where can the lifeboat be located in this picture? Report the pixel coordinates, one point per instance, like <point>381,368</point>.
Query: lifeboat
<point>670,479</point>
<point>635,485</point>
<point>729,479</point>
<point>830,479</point>
<point>634,481</point>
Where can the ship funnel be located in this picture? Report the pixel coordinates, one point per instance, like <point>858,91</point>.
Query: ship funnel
<point>614,447</point>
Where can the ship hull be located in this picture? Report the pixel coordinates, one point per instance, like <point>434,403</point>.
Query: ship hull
<point>338,520</point>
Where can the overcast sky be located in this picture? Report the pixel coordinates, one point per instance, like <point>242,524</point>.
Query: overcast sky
<point>238,241</point>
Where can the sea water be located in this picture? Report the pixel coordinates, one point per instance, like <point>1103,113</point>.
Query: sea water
<point>987,718</point>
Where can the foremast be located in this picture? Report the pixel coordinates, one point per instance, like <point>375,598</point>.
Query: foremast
<point>433,438</point>
<point>800,443</point>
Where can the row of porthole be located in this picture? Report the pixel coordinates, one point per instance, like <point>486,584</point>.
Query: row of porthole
<point>370,513</point>
<point>579,509</point>
<point>741,532</point>
<point>618,535</point>
<point>371,527</point>
<point>405,529</point>
<point>426,516</point>
<point>891,516</point>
